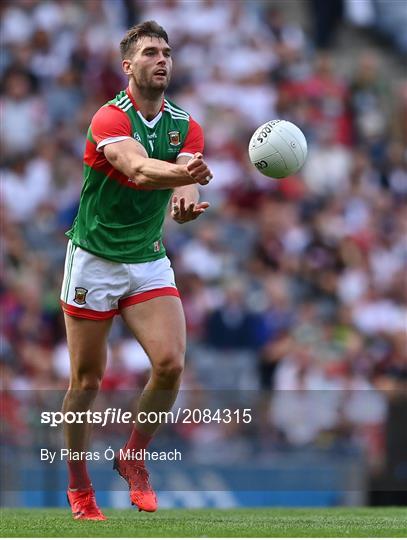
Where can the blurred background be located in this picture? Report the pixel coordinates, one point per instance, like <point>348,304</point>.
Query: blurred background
<point>294,291</point>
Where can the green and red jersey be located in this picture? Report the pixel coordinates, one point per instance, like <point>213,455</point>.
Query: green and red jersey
<point>118,220</point>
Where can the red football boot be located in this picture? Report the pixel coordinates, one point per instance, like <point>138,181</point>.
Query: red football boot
<point>83,505</point>
<point>136,475</point>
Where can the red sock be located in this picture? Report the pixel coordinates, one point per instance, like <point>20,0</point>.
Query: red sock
<point>78,475</point>
<point>138,441</point>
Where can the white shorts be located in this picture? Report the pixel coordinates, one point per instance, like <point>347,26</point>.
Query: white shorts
<point>95,288</point>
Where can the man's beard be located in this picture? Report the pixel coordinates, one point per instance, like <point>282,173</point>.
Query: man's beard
<point>151,89</point>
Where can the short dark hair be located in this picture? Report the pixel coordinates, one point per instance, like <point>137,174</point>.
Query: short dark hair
<point>147,28</point>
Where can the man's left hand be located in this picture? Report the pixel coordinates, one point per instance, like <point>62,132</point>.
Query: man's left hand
<point>181,211</point>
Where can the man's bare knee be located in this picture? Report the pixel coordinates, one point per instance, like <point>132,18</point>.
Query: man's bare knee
<point>169,367</point>
<point>86,382</point>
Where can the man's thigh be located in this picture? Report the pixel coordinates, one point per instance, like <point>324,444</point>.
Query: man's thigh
<point>159,326</point>
<point>87,343</point>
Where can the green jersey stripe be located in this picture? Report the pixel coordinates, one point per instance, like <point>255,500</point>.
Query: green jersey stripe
<point>167,106</point>
<point>70,272</point>
<point>124,104</point>
<point>127,107</point>
<point>177,116</point>
<point>68,259</point>
<point>121,100</point>
<point>180,113</point>
<point>175,109</point>
<point>125,99</point>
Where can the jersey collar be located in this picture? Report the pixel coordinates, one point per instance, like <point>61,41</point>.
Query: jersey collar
<point>137,108</point>
<point>149,123</point>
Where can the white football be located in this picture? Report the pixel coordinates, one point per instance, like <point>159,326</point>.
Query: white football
<point>278,149</point>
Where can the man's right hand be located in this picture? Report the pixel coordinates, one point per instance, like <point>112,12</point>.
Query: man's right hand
<point>198,170</point>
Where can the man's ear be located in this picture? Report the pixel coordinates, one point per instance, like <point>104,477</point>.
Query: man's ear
<point>126,65</point>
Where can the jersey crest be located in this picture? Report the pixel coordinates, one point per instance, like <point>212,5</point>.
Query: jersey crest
<point>174,138</point>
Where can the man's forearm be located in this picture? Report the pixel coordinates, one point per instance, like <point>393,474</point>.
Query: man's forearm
<point>157,174</point>
<point>131,159</point>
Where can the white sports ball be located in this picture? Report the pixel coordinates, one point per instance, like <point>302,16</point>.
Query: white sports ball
<point>278,149</point>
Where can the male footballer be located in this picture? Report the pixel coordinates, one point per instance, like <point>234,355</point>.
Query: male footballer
<point>141,151</point>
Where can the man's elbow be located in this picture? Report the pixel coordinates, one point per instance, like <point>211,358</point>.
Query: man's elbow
<point>129,165</point>
<point>137,175</point>
<point>140,180</point>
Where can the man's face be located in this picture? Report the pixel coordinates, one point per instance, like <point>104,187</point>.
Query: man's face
<point>150,64</point>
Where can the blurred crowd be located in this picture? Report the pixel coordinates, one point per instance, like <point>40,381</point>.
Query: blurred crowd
<point>295,285</point>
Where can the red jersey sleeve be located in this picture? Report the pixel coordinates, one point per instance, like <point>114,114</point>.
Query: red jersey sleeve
<point>110,124</point>
<point>194,141</point>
